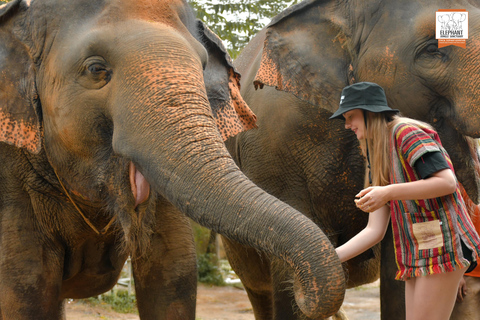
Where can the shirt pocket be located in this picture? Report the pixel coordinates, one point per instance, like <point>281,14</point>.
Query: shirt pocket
<point>428,239</point>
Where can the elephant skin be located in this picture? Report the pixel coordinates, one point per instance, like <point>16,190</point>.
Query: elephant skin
<point>293,73</point>
<point>468,308</point>
<point>113,115</point>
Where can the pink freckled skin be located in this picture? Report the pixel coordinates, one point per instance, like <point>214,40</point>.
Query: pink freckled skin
<point>25,135</point>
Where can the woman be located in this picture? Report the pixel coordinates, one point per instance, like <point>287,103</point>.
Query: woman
<point>411,180</point>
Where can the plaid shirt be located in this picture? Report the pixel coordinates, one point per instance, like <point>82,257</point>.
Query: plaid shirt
<point>436,248</point>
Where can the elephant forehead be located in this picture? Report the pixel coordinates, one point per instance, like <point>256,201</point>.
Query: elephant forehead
<point>424,25</point>
<point>166,12</point>
<point>172,13</point>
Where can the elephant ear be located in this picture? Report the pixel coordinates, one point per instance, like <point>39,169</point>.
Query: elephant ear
<point>222,83</point>
<point>305,53</point>
<point>19,123</point>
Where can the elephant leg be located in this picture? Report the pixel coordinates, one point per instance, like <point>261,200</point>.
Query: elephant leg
<point>261,303</point>
<point>166,278</point>
<point>253,269</point>
<point>392,292</point>
<point>31,269</point>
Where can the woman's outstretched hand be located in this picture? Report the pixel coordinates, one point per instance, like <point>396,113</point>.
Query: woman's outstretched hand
<point>372,198</point>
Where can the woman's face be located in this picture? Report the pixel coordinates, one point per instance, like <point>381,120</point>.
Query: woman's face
<point>355,121</point>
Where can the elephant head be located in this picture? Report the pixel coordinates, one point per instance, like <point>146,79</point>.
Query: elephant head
<point>119,101</point>
<point>317,47</point>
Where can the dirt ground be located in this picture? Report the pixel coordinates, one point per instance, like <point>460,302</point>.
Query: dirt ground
<point>230,303</point>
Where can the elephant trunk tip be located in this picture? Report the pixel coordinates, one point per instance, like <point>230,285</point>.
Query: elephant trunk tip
<point>316,302</point>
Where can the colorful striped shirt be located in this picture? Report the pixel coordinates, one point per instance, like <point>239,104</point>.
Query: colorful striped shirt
<point>427,232</point>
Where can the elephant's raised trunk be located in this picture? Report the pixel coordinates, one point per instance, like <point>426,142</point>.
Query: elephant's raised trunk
<point>168,131</point>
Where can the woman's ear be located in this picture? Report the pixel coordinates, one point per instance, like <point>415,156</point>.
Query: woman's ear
<point>305,53</point>
<point>19,122</point>
<point>222,83</point>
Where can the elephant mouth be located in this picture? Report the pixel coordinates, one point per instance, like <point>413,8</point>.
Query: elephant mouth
<point>140,186</point>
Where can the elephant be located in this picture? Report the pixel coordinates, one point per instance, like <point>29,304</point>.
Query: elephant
<point>113,120</point>
<point>293,72</point>
<point>468,308</point>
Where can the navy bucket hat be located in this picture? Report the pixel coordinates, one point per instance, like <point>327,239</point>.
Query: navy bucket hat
<point>363,95</point>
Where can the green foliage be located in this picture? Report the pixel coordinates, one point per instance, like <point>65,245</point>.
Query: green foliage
<point>119,301</point>
<point>208,265</point>
<point>201,236</point>
<point>208,270</point>
<point>4,1</point>
<point>237,21</point>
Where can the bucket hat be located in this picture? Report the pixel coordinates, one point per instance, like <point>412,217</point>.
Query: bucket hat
<point>363,95</point>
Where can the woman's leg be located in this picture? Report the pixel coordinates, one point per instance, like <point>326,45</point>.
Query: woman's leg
<point>433,296</point>
<point>409,296</point>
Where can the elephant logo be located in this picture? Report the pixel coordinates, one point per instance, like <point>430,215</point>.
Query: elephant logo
<point>451,27</point>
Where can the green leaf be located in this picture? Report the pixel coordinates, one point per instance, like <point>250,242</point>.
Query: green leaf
<point>237,21</point>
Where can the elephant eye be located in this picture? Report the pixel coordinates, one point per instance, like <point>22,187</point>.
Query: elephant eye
<point>96,68</point>
<point>96,73</point>
<point>432,48</point>
<point>99,72</point>
<point>430,51</point>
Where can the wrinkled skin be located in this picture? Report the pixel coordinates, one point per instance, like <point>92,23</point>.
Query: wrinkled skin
<point>467,306</point>
<point>112,120</point>
<point>292,76</point>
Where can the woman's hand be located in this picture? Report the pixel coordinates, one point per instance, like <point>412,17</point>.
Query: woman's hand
<point>372,198</point>
<point>440,183</point>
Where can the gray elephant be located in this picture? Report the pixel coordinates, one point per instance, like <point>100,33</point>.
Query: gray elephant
<point>112,120</point>
<point>293,73</point>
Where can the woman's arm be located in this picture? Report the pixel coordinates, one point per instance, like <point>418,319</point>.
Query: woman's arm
<point>372,234</point>
<point>440,183</point>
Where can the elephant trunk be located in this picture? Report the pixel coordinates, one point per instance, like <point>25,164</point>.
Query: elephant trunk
<point>167,130</point>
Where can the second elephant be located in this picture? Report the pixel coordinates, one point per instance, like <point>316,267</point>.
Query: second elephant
<point>293,74</point>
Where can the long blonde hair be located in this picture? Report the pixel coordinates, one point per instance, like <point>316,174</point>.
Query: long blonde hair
<point>377,136</point>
